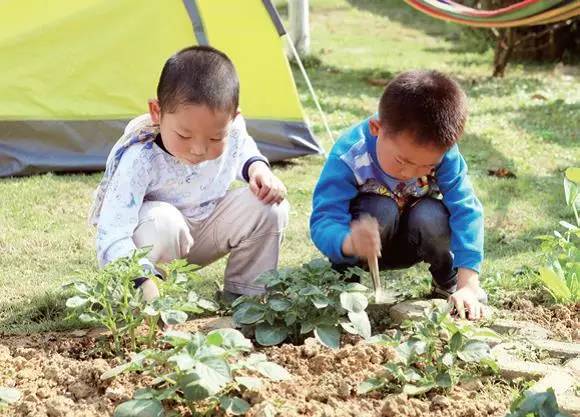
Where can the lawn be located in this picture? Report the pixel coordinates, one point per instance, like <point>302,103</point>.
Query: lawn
<point>527,122</point>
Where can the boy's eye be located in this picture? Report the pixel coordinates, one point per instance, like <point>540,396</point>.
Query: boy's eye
<point>216,139</point>
<point>182,136</point>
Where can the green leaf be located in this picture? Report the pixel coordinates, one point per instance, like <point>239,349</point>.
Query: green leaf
<point>76,302</point>
<point>306,327</point>
<point>349,327</point>
<point>214,338</point>
<point>207,304</point>
<point>213,374</point>
<point>9,395</point>
<point>117,370</point>
<point>555,284</point>
<point>361,323</point>
<point>150,311</point>
<point>268,335</point>
<point>447,360</point>
<point>354,302</point>
<point>413,390</point>
<point>176,337</point>
<point>173,317</point>
<point>290,318</point>
<point>234,405</point>
<point>356,287</point>
<point>443,380</point>
<point>279,304</point>
<point>88,318</point>
<point>456,342</point>
<point>183,360</point>
<point>190,386</point>
<point>369,385</point>
<point>249,382</point>
<point>474,351</point>
<point>272,370</point>
<point>232,339</point>
<point>484,333</point>
<point>309,290</point>
<point>320,301</point>
<point>140,408</point>
<point>329,336</point>
<point>248,313</point>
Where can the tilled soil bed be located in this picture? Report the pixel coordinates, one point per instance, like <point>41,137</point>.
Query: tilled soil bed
<point>58,375</point>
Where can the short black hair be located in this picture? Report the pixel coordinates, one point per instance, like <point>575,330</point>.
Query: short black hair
<point>428,104</point>
<point>199,75</point>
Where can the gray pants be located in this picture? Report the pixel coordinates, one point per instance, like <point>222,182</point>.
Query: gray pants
<point>241,225</point>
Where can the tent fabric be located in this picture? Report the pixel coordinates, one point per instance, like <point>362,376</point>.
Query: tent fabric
<point>73,73</point>
<point>524,13</point>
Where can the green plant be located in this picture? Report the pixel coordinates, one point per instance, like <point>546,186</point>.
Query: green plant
<point>536,404</point>
<point>300,301</point>
<point>111,300</point>
<point>561,276</point>
<point>199,371</point>
<point>8,396</point>
<point>433,353</point>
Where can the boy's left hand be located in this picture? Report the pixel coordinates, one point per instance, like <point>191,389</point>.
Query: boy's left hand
<point>265,185</point>
<point>465,299</point>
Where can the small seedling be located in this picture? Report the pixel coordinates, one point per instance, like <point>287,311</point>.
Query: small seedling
<point>561,276</point>
<point>199,371</point>
<point>111,300</point>
<point>301,301</point>
<point>433,353</point>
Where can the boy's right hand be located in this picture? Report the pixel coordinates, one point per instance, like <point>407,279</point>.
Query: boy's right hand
<point>364,240</point>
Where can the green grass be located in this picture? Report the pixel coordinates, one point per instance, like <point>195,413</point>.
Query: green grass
<point>45,240</point>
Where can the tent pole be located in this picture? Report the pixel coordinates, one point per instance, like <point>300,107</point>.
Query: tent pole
<point>311,89</point>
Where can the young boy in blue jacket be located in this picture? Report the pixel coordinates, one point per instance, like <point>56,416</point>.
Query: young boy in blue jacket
<point>395,186</point>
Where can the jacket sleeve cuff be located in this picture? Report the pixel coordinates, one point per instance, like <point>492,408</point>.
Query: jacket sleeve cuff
<point>336,256</point>
<point>468,259</point>
<point>148,270</point>
<point>246,167</point>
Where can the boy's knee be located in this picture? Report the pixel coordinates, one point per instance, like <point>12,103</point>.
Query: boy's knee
<point>430,218</point>
<point>163,227</point>
<point>264,217</point>
<point>382,208</point>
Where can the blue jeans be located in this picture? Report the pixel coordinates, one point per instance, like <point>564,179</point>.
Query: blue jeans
<point>417,234</point>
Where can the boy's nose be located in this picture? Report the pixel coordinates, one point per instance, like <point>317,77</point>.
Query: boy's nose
<point>198,149</point>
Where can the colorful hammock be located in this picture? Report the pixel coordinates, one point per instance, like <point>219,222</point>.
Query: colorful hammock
<point>524,13</point>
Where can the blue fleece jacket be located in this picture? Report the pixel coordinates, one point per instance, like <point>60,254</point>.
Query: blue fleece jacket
<point>353,161</point>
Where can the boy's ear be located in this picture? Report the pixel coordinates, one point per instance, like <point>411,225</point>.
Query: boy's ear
<point>374,126</point>
<point>154,111</point>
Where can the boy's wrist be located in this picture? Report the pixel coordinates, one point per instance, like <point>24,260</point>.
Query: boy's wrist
<point>467,278</point>
<point>252,165</point>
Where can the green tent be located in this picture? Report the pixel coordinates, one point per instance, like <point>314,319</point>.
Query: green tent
<point>74,72</point>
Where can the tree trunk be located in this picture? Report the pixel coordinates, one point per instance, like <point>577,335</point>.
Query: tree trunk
<point>299,25</point>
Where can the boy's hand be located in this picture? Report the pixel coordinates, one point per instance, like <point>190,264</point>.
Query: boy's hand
<point>265,185</point>
<point>150,290</point>
<point>465,299</point>
<point>364,240</point>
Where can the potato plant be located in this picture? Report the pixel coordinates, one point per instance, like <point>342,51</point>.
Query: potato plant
<point>201,372</point>
<point>111,300</point>
<point>433,353</point>
<point>301,301</point>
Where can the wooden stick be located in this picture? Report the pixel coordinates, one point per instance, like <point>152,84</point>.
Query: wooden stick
<point>374,269</point>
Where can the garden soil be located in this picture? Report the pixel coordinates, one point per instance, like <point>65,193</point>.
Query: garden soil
<point>58,375</point>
